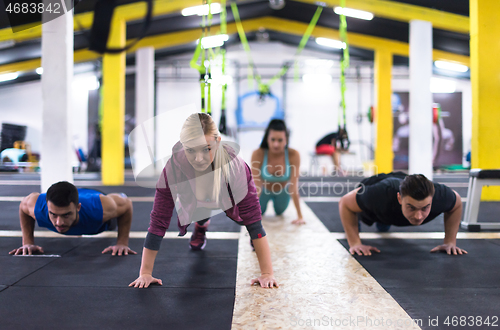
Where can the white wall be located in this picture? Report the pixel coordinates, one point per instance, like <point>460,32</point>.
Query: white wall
<point>21,104</point>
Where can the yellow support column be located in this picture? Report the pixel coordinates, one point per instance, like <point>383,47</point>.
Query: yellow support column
<point>485,81</point>
<point>113,119</point>
<point>383,111</point>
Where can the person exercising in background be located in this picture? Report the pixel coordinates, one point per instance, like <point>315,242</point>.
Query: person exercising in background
<point>275,170</point>
<point>67,210</point>
<point>334,144</point>
<point>399,200</point>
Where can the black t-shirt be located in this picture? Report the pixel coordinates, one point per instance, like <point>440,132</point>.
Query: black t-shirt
<point>328,139</point>
<point>379,203</point>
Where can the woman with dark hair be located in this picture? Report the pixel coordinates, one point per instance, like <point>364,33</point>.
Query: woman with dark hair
<point>275,169</point>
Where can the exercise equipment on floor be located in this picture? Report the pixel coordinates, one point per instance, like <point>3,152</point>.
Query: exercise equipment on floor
<point>477,179</point>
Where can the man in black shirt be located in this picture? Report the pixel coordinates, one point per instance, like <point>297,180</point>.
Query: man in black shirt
<point>392,199</point>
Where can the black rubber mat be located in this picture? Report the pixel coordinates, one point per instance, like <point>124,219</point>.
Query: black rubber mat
<point>328,213</point>
<point>82,308</point>
<point>14,268</point>
<point>175,263</point>
<point>435,284</point>
<point>197,292</point>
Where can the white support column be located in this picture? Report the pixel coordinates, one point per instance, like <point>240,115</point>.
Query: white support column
<point>420,144</point>
<point>57,62</point>
<point>144,106</point>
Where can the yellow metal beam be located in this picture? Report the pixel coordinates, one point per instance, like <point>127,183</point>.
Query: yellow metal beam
<point>383,112</point>
<point>405,13</point>
<point>485,81</point>
<point>252,25</point>
<point>113,103</point>
<point>129,13</point>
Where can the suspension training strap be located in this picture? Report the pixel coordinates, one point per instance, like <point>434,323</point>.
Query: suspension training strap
<point>245,44</point>
<point>344,64</point>
<point>305,38</point>
<point>264,88</point>
<point>223,30</point>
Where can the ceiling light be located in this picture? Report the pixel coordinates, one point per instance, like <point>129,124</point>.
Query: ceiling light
<point>439,85</point>
<point>215,8</point>
<point>316,78</point>
<point>9,76</point>
<point>330,43</point>
<point>451,66</point>
<point>353,13</point>
<point>214,41</point>
<point>39,70</point>
<point>277,4</point>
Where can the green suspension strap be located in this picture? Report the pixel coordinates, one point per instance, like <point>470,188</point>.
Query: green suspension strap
<point>223,30</point>
<point>300,48</point>
<point>264,88</point>
<point>305,38</point>
<point>344,64</point>
<point>208,69</point>
<point>246,46</point>
<point>201,54</point>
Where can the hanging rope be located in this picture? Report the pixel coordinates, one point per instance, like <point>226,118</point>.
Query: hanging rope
<point>264,88</point>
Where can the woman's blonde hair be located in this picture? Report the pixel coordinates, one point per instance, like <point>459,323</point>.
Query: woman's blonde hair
<point>200,124</point>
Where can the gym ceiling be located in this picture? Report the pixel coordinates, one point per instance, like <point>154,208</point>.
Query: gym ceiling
<point>171,33</point>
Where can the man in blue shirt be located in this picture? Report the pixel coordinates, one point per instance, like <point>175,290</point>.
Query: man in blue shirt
<point>70,211</point>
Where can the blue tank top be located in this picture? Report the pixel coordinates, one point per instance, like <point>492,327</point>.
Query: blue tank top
<point>271,178</point>
<point>90,214</point>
